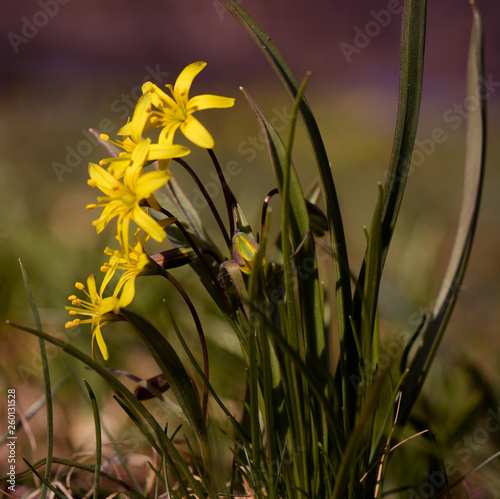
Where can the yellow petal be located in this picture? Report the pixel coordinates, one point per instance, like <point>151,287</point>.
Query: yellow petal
<point>105,181</point>
<point>92,287</point>
<point>197,133</point>
<point>167,132</point>
<point>100,343</point>
<point>207,101</point>
<point>185,80</point>
<point>149,225</point>
<point>150,182</point>
<point>122,230</point>
<point>140,152</point>
<point>141,113</point>
<point>165,151</point>
<point>108,304</point>
<point>128,293</point>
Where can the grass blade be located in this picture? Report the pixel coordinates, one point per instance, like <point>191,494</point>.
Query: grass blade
<point>46,379</point>
<point>46,483</point>
<point>354,444</point>
<point>369,339</point>
<point>410,92</point>
<point>98,441</point>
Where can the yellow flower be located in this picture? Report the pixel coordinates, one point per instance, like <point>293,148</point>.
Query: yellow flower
<point>138,263</point>
<point>101,311</point>
<point>162,153</point>
<point>157,109</point>
<point>244,251</point>
<point>124,199</point>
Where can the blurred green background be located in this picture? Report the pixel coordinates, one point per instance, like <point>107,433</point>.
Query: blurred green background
<point>67,67</point>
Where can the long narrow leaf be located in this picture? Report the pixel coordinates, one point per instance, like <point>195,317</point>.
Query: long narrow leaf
<point>369,341</point>
<point>98,441</point>
<point>45,481</point>
<point>177,377</point>
<point>410,92</point>
<point>474,169</point>
<point>46,379</point>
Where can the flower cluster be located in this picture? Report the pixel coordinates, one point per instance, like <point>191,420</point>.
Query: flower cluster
<point>129,191</point>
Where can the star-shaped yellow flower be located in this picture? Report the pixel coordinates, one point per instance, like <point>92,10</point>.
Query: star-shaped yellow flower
<point>157,109</point>
<point>123,200</point>
<point>138,263</point>
<point>101,311</point>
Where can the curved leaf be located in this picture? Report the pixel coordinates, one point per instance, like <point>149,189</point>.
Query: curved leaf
<point>474,169</point>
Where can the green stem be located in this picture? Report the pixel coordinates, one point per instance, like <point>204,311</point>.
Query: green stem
<point>228,195</point>
<point>208,199</point>
<point>193,245</point>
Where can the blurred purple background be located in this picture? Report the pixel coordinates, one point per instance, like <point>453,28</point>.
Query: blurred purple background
<point>65,65</point>
<point>83,41</point>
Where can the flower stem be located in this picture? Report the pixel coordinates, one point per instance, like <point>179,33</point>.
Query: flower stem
<point>208,199</point>
<point>228,195</point>
<point>193,245</point>
<point>267,200</point>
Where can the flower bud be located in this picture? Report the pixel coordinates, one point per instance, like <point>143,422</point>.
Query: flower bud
<point>244,250</point>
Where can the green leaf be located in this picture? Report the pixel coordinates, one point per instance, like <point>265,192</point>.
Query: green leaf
<point>176,375</point>
<point>98,442</point>
<point>45,481</point>
<point>172,368</point>
<point>357,438</point>
<point>46,379</point>
<point>369,339</point>
<point>410,92</point>
<point>435,325</point>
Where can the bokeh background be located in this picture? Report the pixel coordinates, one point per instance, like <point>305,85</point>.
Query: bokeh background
<point>69,66</point>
